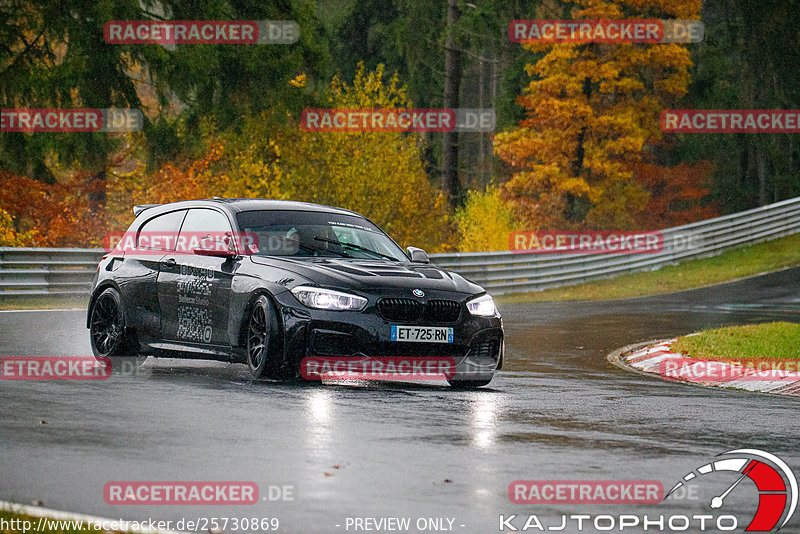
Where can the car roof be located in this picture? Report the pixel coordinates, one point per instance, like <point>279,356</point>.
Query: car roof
<point>236,205</point>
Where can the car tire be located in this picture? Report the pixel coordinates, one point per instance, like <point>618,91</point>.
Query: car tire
<point>107,330</point>
<point>469,384</point>
<point>264,357</point>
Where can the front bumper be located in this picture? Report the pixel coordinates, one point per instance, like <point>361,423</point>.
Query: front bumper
<point>477,347</point>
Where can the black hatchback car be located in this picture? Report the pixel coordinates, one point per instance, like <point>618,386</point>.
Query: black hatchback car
<point>270,283</point>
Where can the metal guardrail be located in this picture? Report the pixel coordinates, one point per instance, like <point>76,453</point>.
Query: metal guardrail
<point>507,272</point>
<point>47,271</point>
<point>69,271</point>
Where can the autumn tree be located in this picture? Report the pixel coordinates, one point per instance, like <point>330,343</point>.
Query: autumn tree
<point>187,179</point>
<point>484,222</point>
<point>9,236</point>
<point>591,110</point>
<point>677,194</point>
<point>63,214</point>
<point>411,37</point>
<point>226,169</point>
<point>378,174</point>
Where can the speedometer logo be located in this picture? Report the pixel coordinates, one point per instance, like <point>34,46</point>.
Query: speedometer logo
<point>776,484</point>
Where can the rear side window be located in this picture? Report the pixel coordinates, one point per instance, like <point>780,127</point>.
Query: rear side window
<point>205,220</point>
<point>161,232</point>
<point>206,228</point>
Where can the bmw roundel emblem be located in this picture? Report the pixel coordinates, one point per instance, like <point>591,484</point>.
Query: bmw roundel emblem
<point>418,293</point>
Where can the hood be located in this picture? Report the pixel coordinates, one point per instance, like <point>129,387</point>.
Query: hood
<point>366,274</point>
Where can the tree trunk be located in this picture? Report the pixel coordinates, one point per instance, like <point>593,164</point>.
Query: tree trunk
<point>577,164</point>
<point>761,169</point>
<point>452,83</point>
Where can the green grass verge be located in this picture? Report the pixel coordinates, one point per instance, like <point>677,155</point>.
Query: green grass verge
<point>730,265</point>
<point>15,523</point>
<point>42,302</point>
<point>759,341</point>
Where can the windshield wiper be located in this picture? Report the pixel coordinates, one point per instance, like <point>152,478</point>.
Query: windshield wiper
<point>353,246</point>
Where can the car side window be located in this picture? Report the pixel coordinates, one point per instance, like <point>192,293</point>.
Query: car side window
<point>206,228</point>
<point>161,232</point>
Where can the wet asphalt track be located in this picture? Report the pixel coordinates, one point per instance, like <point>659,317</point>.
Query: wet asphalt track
<point>558,411</point>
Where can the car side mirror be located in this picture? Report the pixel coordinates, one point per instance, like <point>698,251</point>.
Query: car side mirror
<point>216,252</point>
<point>219,248</point>
<point>417,255</point>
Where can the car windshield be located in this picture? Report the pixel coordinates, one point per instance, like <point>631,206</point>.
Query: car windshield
<point>310,233</point>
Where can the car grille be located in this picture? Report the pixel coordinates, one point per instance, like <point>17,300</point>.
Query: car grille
<point>400,309</point>
<point>442,311</point>
<point>434,311</point>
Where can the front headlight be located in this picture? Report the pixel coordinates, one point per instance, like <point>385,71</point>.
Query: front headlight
<point>482,306</point>
<point>328,299</point>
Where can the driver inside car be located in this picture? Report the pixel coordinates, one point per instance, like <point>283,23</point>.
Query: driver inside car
<point>315,239</point>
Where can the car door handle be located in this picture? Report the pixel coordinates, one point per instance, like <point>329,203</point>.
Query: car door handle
<point>170,262</point>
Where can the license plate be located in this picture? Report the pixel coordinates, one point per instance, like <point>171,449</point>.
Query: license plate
<point>423,334</point>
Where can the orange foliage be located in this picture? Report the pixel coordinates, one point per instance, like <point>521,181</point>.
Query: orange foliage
<point>170,183</point>
<point>675,194</point>
<point>591,111</point>
<point>59,215</point>
<point>80,211</point>
<point>9,237</point>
